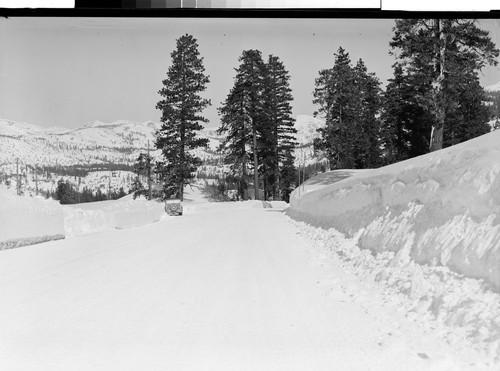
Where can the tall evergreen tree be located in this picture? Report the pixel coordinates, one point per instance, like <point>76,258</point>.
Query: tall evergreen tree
<point>405,123</point>
<point>336,95</point>
<point>181,107</point>
<point>349,99</point>
<point>367,140</point>
<point>241,120</point>
<point>278,140</point>
<point>436,48</point>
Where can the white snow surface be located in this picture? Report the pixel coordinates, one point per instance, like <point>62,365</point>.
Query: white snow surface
<point>227,286</point>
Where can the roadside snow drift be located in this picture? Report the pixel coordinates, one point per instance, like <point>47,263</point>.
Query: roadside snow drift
<point>438,209</point>
<point>106,215</point>
<point>27,220</point>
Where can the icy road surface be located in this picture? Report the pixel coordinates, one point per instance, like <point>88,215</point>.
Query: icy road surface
<point>235,289</point>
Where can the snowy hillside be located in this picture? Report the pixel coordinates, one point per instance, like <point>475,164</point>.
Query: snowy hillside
<point>307,127</point>
<point>94,143</point>
<point>99,144</point>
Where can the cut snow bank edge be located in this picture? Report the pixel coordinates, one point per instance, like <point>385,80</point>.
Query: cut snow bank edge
<point>28,220</point>
<point>440,208</point>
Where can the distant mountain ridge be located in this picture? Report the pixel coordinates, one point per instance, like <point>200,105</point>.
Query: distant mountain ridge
<point>97,142</point>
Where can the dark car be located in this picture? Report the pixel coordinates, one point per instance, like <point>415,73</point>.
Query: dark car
<point>173,207</point>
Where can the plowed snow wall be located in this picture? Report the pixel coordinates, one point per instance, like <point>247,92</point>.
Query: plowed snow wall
<point>439,209</point>
<point>25,219</point>
<point>107,215</point>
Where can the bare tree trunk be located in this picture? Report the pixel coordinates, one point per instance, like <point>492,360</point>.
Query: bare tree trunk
<point>256,164</point>
<point>436,142</point>
<point>149,175</point>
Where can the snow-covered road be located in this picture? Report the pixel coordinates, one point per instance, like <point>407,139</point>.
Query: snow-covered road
<point>235,289</point>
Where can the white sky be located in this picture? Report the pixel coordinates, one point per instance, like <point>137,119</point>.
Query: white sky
<point>69,71</point>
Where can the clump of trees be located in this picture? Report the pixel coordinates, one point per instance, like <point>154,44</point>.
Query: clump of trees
<point>350,99</point>
<point>258,126</point>
<point>433,101</point>
<point>66,193</point>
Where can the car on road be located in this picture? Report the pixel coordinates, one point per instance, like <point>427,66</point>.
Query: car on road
<point>173,207</point>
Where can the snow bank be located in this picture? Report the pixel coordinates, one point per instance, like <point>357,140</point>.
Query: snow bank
<point>101,216</point>
<point>26,220</point>
<point>439,209</point>
<point>463,310</point>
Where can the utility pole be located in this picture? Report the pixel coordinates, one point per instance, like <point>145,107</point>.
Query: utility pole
<point>299,178</point>
<point>36,180</point>
<point>149,174</point>
<point>304,177</point>
<point>17,176</point>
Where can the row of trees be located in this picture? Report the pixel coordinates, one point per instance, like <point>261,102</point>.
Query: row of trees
<point>256,120</point>
<point>66,193</point>
<point>434,100</point>
<point>349,98</point>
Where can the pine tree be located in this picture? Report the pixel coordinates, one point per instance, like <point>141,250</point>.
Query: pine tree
<point>65,193</point>
<point>277,139</point>
<point>335,93</point>
<point>241,120</point>
<point>367,153</point>
<point>436,48</point>
<point>349,99</point>
<point>181,107</point>
<point>405,123</point>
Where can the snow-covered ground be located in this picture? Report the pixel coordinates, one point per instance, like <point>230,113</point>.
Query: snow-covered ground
<point>239,287</point>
